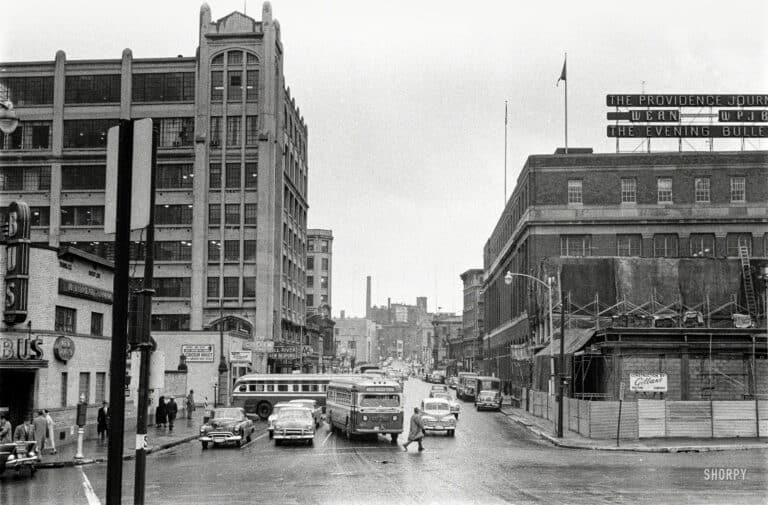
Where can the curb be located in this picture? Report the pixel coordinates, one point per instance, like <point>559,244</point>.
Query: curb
<point>662,449</point>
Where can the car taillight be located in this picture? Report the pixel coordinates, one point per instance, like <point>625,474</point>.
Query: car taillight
<point>394,418</point>
<point>365,418</point>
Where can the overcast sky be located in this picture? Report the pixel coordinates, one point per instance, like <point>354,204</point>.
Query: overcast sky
<point>405,103</point>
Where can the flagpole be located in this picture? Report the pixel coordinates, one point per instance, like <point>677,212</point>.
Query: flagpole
<point>505,153</point>
<point>566,106</point>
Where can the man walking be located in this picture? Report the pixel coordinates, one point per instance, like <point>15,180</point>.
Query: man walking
<point>416,433</point>
<point>49,434</point>
<point>171,409</point>
<point>5,429</point>
<point>102,422</point>
<point>190,403</point>
<point>40,426</point>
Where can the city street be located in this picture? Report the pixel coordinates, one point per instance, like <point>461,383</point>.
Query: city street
<point>491,460</point>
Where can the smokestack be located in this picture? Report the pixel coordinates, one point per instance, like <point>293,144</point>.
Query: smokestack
<point>368,297</point>
<point>342,314</point>
<point>389,310</point>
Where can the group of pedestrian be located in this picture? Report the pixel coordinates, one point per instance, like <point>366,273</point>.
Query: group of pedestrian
<point>38,429</point>
<point>166,412</point>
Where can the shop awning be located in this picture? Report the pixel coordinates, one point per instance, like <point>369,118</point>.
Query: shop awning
<point>23,364</point>
<point>575,339</point>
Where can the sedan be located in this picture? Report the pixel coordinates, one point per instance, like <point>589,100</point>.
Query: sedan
<point>317,410</point>
<point>294,423</point>
<point>271,419</point>
<point>226,426</point>
<point>455,407</point>
<point>436,416</point>
<point>488,400</point>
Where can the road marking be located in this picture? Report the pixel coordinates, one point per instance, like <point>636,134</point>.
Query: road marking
<point>253,440</point>
<point>327,437</point>
<point>89,492</point>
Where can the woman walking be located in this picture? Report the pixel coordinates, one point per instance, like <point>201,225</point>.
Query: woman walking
<point>161,416</point>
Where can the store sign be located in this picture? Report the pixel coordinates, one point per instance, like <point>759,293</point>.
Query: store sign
<point>282,351</point>
<point>648,383</point>
<point>198,353</point>
<point>17,263</point>
<point>21,348</point>
<point>240,356</point>
<point>64,348</point>
<point>78,290</point>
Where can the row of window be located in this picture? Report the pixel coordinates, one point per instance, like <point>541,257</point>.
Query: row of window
<point>233,175</point>
<point>66,321</point>
<point>233,132</point>
<point>323,245</point>
<point>28,135</point>
<point>283,388</point>
<point>323,281</point>
<point>311,300</point>
<point>231,287</point>
<point>84,388</point>
<point>324,263</point>
<point>665,245</point>
<point>701,189</point>
<point>232,214</point>
<point>231,250</point>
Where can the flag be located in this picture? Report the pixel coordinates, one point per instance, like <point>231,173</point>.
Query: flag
<point>562,74</point>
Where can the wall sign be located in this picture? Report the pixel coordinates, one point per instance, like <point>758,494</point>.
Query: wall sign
<point>240,356</point>
<point>17,265</point>
<point>198,353</point>
<point>648,383</point>
<point>21,348</point>
<point>64,348</point>
<point>78,290</point>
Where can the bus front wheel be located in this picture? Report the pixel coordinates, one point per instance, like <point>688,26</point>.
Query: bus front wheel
<point>394,438</point>
<point>264,410</point>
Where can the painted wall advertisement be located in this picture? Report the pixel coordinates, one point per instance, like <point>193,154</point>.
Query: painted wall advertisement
<point>648,383</point>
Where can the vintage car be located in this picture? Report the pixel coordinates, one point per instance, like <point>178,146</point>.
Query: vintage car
<point>442,388</point>
<point>294,423</point>
<point>488,400</point>
<point>437,377</point>
<point>453,381</point>
<point>227,425</point>
<point>271,419</point>
<point>317,410</point>
<point>18,456</point>
<point>437,416</point>
<point>455,407</point>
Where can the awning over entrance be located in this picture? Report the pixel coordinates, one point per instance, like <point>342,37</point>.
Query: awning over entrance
<point>23,364</point>
<point>575,339</point>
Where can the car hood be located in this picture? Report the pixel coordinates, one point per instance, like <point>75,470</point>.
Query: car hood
<point>218,424</point>
<point>293,424</point>
<point>437,414</point>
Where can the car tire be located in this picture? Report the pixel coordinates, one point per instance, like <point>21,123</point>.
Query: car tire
<point>204,444</point>
<point>451,433</point>
<point>311,441</point>
<point>271,434</point>
<point>248,438</point>
<point>278,442</point>
<point>394,438</point>
<point>264,409</point>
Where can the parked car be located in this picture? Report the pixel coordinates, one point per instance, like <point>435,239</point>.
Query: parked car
<point>437,377</point>
<point>455,407</point>
<point>488,400</point>
<point>271,419</point>
<point>437,416</point>
<point>227,425</point>
<point>452,382</point>
<point>294,423</point>
<point>317,410</point>
<point>438,387</point>
<point>19,456</point>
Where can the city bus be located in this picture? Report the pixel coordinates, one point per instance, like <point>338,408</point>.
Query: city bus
<point>257,393</point>
<point>487,384</point>
<point>465,388</point>
<point>365,405</point>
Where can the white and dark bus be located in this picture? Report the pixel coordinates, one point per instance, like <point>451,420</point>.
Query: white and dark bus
<point>365,405</point>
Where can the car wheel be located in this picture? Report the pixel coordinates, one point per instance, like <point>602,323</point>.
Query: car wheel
<point>311,441</point>
<point>394,438</point>
<point>451,433</point>
<point>249,436</point>
<point>271,434</point>
<point>264,409</point>
<point>204,444</point>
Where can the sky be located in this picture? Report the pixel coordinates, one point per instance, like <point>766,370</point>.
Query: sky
<point>404,102</point>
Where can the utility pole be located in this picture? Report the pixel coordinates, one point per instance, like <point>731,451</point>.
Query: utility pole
<point>561,367</point>
<point>223,368</point>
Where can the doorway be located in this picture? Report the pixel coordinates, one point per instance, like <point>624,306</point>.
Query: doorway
<point>17,388</point>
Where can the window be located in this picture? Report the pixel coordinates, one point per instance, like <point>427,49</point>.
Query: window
<point>66,319</point>
<point>231,287</point>
<point>28,135</point>
<point>173,214</point>
<point>251,84</point>
<point>214,214</point>
<point>215,132</point>
<point>734,240</point>
<point>629,190</point>
<point>217,86</point>
<point>97,323</point>
<point>665,245</point>
<point>234,58</point>
<point>324,263</point>
<point>310,281</point>
<point>574,191</point>
<point>25,178</point>
<point>233,175</point>
<point>701,190</point>
<point>231,250</point>
<point>173,250</point>
<point>176,132</point>
<point>84,387</point>
<point>310,262</point>
<point>27,90</point>
<point>63,390</point>
<point>702,245</point>
<point>323,299</point>
<point>172,287</point>
<point>310,300</point>
<point>88,177</point>
<point>170,87</point>
<point>249,287</point>
<point>251,211</point>
<point>738,189</point>
<point>251,130</point>
<point>214,175</point>
<point>235,88</point>
<point>324,282</point>
<point>214,251</point>
<point>170,322</point>
<point>177,176</point>
<point>87,133</point>
<point>212,287</point>
<point>82,216</point>
<point>92,89</point>
<point>40,216</point>
<point>664,189</point>
<point>251,174</point>
<point>232,213</point>
<point>218,59</point>
<point>324,246</point>
<point>629,245</point>
<point>249,250</point>
<point>311,244</point>
<point>101,386</point>
<point>234,126</point>
<point>575,245</point>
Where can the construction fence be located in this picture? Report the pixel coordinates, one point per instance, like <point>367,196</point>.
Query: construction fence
<point>654,418</point>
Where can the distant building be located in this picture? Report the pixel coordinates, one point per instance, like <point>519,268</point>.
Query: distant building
<point>319,269</point>
<point>446,341</point>
<point>355,338</point>
<point>472,318</point>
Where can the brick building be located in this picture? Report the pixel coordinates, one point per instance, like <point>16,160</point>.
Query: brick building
<point>231,205</point>
<point>472,318</point>
<point>644,205</point>
<point>446,341</point>
<point>319,270</point>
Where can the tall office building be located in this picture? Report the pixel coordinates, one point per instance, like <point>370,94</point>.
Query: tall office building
<point>319,270</point>
<point>231,177</point>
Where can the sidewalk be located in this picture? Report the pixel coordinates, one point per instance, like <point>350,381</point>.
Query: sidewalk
<point>545,429</point>
<point>184,430</point>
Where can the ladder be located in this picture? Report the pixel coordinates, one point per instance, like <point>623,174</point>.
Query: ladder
<point>746,275</point>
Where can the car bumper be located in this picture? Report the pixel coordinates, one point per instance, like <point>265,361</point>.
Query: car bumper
<point>220,439</point>
<point>22,462</point>
<point>292,436</point>
<point>488,405</point>
<point>440,426</point>
<point>378,430</point>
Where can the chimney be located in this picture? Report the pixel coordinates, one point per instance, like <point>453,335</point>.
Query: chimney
<point>342,314</point>
<point>368,297</point>
<point>389,310</point>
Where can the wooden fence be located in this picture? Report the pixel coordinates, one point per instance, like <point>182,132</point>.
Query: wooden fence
<point>655,418</point>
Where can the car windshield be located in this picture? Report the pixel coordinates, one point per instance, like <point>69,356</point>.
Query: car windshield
<point>436,406</point>
<point>488,385</point>
<point>444,396</point>
<point>379,401</point>
<point>227,414</point>
<point>310,404</point>
<point>293,415</point>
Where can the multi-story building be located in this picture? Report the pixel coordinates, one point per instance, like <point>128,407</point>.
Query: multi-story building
<point>231,199</point>
<point>356,338</point>
<point>446,341</point>
<point>472,318</point>
<point>319,269</point>
<point>649,205</point>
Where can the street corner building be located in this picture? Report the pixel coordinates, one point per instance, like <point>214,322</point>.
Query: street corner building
<point>231,199</point>
<point>660,264</point>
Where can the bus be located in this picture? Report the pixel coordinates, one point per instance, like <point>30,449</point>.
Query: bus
<point>465,388</point>
<point>257,393</point>
<point>365,405</point>
<point>484,383</point>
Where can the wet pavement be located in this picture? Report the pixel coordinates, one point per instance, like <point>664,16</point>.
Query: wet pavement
<point>491,460</point>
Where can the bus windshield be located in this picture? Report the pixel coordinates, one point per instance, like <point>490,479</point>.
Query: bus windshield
<point>368,400</point>
<point>488,385</point>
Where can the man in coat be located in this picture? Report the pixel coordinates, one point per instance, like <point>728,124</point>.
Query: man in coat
<point>190,403</point>
<point>5,429</point>
<point>25,431</point>
<point>49,434</point>
<point>40,425</point>
<point>416,433</point>
<point>172,409</point>
<point>102,422</point>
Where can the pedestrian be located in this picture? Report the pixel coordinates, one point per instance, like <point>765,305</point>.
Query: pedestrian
<point>172,409</point>
<point>161,416</point>
<point>416,433</point>
<point>40,426</point>
<point>49,434</point>
<point>190,403</point>
<point>6,432</point>
<point>102,421</point>
<point>24,431</point>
